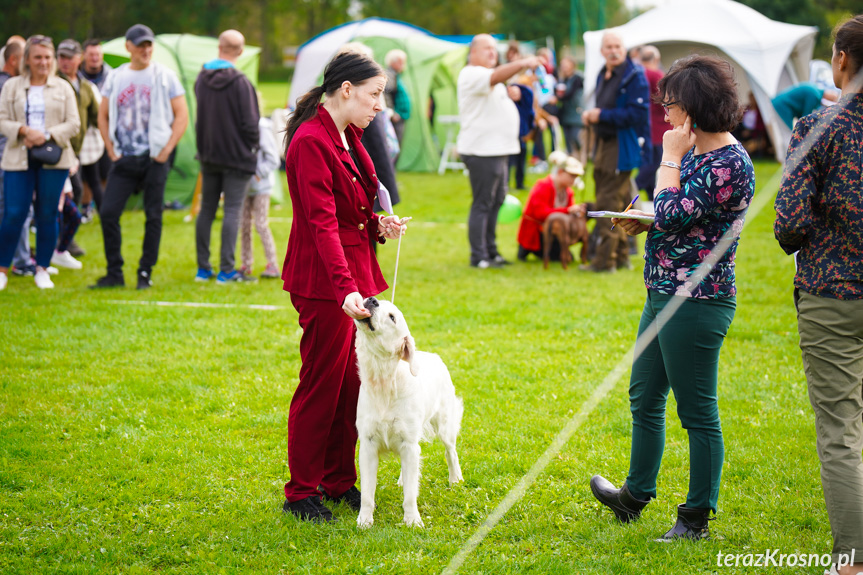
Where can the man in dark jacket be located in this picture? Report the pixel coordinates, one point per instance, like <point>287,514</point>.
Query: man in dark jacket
<point>619,118</point>
<point>227,134</point>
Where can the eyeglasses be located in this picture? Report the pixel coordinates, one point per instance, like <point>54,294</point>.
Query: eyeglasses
<point>40,40</point>
<point>669,104</point>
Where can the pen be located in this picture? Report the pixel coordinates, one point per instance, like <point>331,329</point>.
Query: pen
<point>632,203</point>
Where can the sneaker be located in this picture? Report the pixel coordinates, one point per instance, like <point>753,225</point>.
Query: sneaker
<point>272,272</point>
<point>144,280</point>
<point>246,270</point>
<point>3,281</point>
<point>65,260</point>
<point>28,270</point>
<point>351,497</point>
<point>52,271</point>
<point>485,264</point>
<point>109,282</point>
<point>309,509</point>
<point>76,250</point>
<point>235,276</point>
<point>499,259</point>
<point>203,275</point>
<point>42,279</point>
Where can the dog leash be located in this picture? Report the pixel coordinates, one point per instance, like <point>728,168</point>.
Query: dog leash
<point>402,221</point>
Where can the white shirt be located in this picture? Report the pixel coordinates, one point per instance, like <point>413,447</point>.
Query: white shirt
<point>36,108</point>
<point>489,118</point>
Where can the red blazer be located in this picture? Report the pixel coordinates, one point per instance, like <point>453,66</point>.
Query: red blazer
<point>330,251</point>
<point>539,205</point>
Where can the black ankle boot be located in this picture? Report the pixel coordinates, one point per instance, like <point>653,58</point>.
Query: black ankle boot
<point>691,524</point>
<point>626,507</point>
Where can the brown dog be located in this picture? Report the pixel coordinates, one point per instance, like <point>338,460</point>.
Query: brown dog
<point>569,229</point>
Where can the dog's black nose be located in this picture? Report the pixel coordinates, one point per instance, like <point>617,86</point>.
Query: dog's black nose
<point>371,302</point>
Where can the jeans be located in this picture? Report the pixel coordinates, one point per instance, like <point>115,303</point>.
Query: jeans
<point>683,357</point>
<point>234,184</point>
<point>17,197</point>
<point>488,182</point>
<point>127,174</point>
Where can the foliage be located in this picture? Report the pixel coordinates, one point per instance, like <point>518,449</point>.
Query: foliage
<point>467,17</point>
<point>139,438</point>
<point>536,19</point>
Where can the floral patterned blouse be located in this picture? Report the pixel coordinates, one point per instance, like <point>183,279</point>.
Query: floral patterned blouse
<point>715,191</point>
<point>819,208</point>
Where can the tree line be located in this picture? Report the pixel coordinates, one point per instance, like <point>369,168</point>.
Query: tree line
<point>275,24</point>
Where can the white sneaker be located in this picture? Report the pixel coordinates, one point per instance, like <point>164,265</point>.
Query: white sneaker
<point>65,260</point>
<point>3,280</point>
<point>52,270</point>
<point>43,280</point>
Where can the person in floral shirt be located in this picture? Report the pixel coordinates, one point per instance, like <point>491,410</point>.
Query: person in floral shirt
<point>705,185</point>
<point>819,211</point>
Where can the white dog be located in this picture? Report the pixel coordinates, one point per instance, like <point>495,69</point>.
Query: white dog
<point>405,396</point>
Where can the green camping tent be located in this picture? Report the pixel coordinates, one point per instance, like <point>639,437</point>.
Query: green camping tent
<point>432,72</point>
<point>185,54</point>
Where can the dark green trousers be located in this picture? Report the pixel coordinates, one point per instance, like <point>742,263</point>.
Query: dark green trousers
<point>683,357</point>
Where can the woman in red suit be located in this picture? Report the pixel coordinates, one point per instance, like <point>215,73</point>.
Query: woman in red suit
<point>550,194</point>
<point>330,268</point>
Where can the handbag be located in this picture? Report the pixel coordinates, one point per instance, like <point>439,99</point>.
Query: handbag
<point>48,153</point>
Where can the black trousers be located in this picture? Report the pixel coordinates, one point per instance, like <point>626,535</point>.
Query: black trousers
<point>128,174</point>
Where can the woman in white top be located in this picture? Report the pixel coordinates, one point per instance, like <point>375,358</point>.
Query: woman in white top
<point>36,108</point>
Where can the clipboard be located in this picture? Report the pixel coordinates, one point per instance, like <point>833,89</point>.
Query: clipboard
<point>647,219</point>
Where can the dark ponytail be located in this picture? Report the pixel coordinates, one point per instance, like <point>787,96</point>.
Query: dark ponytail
<point>849,39</point>
<point>345,67</point>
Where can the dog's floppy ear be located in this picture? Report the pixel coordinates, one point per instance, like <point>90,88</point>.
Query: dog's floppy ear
<point>409,353</point>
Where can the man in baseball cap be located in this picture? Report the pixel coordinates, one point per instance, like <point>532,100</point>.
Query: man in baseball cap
<point>70,48</point>
<point>142,117</point>
<point>138,34</point>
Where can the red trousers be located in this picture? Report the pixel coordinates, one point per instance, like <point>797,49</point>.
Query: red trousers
<point>322,432</point>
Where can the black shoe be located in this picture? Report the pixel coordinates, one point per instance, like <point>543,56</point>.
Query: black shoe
<point>500,260</point>
<point>626,507</point>
<point>108,282</point>
<point>351,497</point>
<point>309,509</point>
<point>75,250</point>
<point>691,524</point>
<point>144,281</point>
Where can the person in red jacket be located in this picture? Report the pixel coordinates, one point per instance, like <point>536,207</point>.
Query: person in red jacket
<point>550,194</point>
<point>329,269</point>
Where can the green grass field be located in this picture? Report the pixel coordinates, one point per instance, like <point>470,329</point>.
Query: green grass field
<point>140,438</point>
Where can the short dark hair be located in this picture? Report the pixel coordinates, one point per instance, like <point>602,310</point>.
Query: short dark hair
<point>91,42</point>
<point>13,49</point>
<point>704,87</point>
<point>848,38</point>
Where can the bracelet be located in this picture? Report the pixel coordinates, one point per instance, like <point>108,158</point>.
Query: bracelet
<point>670,165</point>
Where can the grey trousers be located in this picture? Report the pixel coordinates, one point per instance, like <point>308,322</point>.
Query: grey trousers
<point>488,182</point>
<point>234,184</point>
<point>831,339</point>
<point>613,193</point>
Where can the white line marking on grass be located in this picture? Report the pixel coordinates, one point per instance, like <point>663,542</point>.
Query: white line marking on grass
<point>520,488</point>
<point>198,304</point>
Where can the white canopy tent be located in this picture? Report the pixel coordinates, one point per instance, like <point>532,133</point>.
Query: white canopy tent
<point>314,55</point>
<point>768,56</point>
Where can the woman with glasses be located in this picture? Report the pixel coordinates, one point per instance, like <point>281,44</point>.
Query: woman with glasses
<point>37,110</point>
<point>704,188</point>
